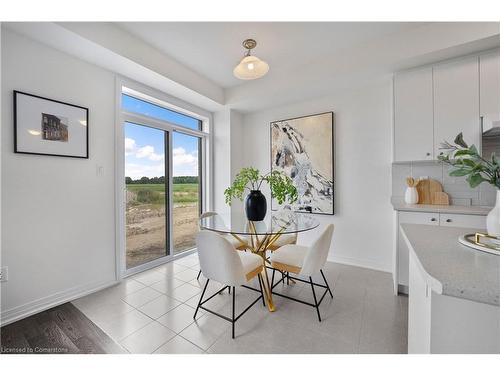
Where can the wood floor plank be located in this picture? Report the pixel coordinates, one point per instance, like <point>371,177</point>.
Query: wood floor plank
<point>53,340</point>
<point>62,329</point>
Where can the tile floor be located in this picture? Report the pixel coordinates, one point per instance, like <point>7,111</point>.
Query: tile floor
<point>152,312</point>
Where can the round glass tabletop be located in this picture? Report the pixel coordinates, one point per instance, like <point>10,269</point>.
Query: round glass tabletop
<point>283,222</point>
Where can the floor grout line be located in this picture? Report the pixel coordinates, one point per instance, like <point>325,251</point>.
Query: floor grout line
<point>342,274</point>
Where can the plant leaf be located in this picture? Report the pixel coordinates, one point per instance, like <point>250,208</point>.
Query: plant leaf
<point>459,140</point>
<point>475,179</point>
<point>460,172</point>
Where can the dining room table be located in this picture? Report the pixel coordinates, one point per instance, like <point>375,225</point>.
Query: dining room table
<point>260,236</point>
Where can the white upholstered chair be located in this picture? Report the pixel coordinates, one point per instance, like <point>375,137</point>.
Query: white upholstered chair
<point>220,261</point>
<point>236,243</point>
<point>304,261</point>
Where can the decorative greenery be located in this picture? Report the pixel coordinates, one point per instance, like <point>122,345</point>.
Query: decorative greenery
<point>466,161</point>
<point>281,185</point>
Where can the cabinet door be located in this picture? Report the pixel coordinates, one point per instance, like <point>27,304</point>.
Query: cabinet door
<point>413,122</point>
<point>489,86</point>
<point>410,218</point>
<point>456,102</point>
<point>419,312</point>
<point>463,221</point>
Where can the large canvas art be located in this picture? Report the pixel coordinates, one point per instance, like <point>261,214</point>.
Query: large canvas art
<point>303,149</point>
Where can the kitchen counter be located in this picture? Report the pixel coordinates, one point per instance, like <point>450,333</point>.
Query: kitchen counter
<point>466,210</point>
<point>451,268</point>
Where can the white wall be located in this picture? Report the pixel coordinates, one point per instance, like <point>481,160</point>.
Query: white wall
<point>58,234</point>
<point>222,157</point>
<point>228,156</point>
<point>363,213</point>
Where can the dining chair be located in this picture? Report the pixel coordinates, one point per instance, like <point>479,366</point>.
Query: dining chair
<point>304,261</point>
<point>236,243</point>
<point>221,262</point>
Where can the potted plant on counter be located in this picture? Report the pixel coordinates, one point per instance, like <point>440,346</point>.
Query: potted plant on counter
<point>467,162</point>
<point>281,186</point>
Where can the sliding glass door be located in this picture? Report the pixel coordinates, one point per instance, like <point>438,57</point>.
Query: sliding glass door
<point>165,181</point>
<point>146,195</point>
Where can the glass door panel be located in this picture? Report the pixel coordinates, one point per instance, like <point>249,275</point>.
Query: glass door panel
<point>186,186</point>
<point>146,194</point>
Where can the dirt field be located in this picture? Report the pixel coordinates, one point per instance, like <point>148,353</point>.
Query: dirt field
<point>146,232</point>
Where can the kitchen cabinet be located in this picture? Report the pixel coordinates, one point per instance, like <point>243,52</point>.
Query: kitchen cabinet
<point>419,311</point>
<point>413,115</point>
<point>401,279</point>
<point>489,87</point>
<point>453,305</point>
<point>462,221</point>
<point>402,252</point>
<point>456,102</point>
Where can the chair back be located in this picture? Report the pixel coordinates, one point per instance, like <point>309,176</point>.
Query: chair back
<point>205,215</point>
<point>219,260</point>
<point>318,253</point>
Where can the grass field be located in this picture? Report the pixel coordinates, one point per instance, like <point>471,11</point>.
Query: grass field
<point>155,193</point>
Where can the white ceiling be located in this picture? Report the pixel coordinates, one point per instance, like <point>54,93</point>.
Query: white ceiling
<point>213,49</point>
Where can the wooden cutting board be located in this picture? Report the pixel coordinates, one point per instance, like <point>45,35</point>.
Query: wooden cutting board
<point>431,192</point>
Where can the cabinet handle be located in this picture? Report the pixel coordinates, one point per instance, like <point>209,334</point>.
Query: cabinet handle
<point>448,220</point>
<point>433,219</point>
<point>428,154</point>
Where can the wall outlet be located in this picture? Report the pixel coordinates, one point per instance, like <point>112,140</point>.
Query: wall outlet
<point>4,274</point>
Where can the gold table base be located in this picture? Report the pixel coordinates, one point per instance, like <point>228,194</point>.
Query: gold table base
<point>260,244</point>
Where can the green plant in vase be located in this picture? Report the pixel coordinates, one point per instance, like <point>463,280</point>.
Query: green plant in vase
<point>467,162</point>
<point>251,179</point>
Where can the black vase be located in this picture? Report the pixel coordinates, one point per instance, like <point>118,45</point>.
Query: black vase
<point>256,206</point>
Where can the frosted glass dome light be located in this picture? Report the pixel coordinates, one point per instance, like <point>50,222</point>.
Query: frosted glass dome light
<point>250,67</point>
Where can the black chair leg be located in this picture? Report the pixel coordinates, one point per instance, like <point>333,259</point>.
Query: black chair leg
<point>201,298</point>
<point>326,283</point>
<point>199,274</point>
<point>315,300</point>
<point>287,278</point>
<point>261,290</point>
<point>232,321</point>
<point>272,279</point>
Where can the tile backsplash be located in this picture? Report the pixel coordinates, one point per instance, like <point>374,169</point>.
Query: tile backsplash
<point>456,187</point>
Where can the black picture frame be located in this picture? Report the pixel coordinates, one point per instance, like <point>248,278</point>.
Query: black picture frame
<point>17,93</point>
<point>333,157</point>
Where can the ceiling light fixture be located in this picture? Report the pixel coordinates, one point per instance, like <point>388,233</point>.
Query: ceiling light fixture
<point>250,67</point>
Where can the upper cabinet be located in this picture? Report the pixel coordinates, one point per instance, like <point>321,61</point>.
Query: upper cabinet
<point>413,133</point>
<point>456,102</point>
<point>435,103</point>
<point>489,83</point>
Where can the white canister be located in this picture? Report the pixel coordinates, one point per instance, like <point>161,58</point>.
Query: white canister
<point>411,195</point>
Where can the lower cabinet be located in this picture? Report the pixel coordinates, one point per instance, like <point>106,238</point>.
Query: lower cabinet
<point>419,312</point>
<point>447,325</point>
<point>401,279</point>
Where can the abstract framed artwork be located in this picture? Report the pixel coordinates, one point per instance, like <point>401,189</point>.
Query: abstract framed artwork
<point>303,148</point>
<point>44,126</point>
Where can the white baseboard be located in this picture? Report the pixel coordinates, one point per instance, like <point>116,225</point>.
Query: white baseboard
<point>30,308</point>
<point>360,263</point>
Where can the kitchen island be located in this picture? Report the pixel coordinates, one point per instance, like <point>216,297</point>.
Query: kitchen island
<point>454,293</point>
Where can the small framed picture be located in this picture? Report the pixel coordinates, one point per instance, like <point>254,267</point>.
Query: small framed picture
<point>44,126</point>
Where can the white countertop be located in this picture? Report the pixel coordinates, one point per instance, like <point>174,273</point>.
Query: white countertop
<point>451,268</point>
<point>466,210</point>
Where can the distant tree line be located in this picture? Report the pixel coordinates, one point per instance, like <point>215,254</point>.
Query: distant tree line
<point>161,180</point>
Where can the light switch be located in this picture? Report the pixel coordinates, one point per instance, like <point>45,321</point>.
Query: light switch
<point>99,170</point>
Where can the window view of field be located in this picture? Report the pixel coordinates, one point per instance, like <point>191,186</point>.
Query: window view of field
<point>147,208</point>
<point>146,230</point>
